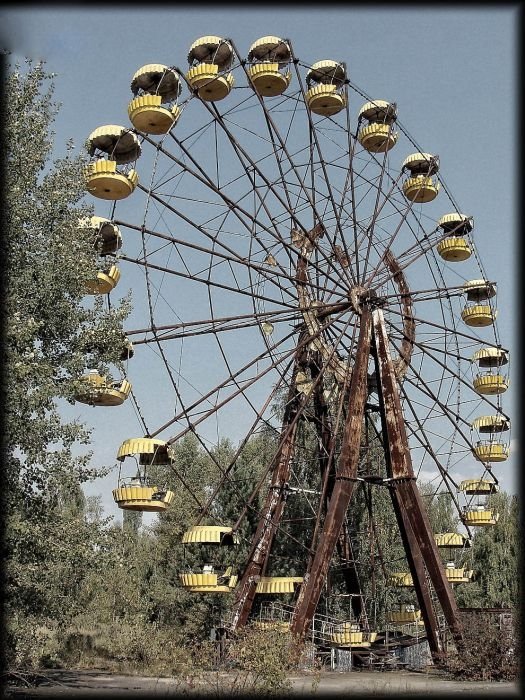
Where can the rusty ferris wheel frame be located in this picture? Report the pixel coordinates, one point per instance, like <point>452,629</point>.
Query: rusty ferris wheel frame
<point>285,212</point>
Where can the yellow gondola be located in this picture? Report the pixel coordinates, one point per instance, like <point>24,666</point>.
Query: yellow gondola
<point>491,451</point>
<point>479,316</point>
<point>378,135</point>
<point>476,313</point>
<point>458,575</point>
<point>401,580</point>
<point>421,185</point>
<point>210,57</point>
<point>208,581</point>
<point>155,87</point>
<point>347,634</point>
<point>489,380</point>
<point>325,81</point>
<point>111,146</point>
<point>490,384</point>
<point>455,247</point>
<point>278,584</point>
<point>137,496</point>
<point>105,281</point>
<point>274,625</point>
<point>98,390</point>
<point>407,614</point>
<point>479,516</point>
<point>136,493</point>
<point>269,71</point>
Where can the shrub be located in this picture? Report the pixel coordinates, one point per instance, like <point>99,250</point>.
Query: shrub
<point>490,650</point>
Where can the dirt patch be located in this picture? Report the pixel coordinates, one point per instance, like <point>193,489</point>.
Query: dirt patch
<point>60,683</point>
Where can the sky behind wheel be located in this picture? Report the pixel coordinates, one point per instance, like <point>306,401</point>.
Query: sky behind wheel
<point>452,74</point>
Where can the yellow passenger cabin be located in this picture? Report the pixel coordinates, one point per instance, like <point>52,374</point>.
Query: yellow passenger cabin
<point>210,58</point>
<point>105,281</point>
<point>113,150</point>
<point>99,390</point>
<point>269,66</point>
<point>406,615</point>
<point>347,634</point>
<point>275,585</point>
<point>401,579</point>
<point>490,380</point>
<point>136,493</point>
<point>457,574</point>
<point>455,247</point>
<point>209,581</point>
<point>154,108</point>
<point>377,135</point>
<point>478,312</point>
<point>479,516</point>
<point>421,185</point>
<point>325,81</point>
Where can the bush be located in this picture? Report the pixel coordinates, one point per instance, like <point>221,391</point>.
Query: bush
<point>30,643</point>
<point>490,650</point>
<point>254,662</point>
<point>123,648</point>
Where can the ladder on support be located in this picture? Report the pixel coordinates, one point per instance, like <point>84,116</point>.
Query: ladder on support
<point>438,612</point>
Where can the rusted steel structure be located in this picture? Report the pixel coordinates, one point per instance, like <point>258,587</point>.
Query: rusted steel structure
<point>416,534</point>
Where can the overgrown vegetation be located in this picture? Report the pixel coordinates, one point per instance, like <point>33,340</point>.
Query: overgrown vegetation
<point>51,543</point>
<point>490,652</point>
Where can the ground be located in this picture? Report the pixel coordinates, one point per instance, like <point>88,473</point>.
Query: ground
<point>65,684</point>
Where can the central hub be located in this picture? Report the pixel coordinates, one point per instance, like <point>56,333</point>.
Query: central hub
<point>357,295</point>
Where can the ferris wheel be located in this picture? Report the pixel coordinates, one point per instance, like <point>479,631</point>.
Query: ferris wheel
<point>303,272</point>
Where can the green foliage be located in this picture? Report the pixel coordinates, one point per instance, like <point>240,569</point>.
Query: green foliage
<point>264,658</point>
<point>495,556</point>
<point>441,510</point>
<point>491,649</point>
<point>258,663</point>
<point>193,613</point>
<point>50,545</point>
<point>125,647</point>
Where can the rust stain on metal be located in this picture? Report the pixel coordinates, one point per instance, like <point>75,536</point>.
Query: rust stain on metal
<point>270,518</point>
<point>413,519</point>
<point>343,486</point>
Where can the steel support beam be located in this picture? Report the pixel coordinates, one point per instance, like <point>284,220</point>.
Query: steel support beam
<point>417,569</point>
<point>326,442</point>
<point>345,477</point>
<point>417,534</point>
<point>273,507</point>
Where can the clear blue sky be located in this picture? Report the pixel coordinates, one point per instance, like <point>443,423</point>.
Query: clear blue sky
<point>452,72</point>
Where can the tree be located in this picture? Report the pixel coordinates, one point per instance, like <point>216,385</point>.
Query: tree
<point>46,335</point>
<point>495,552</point>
